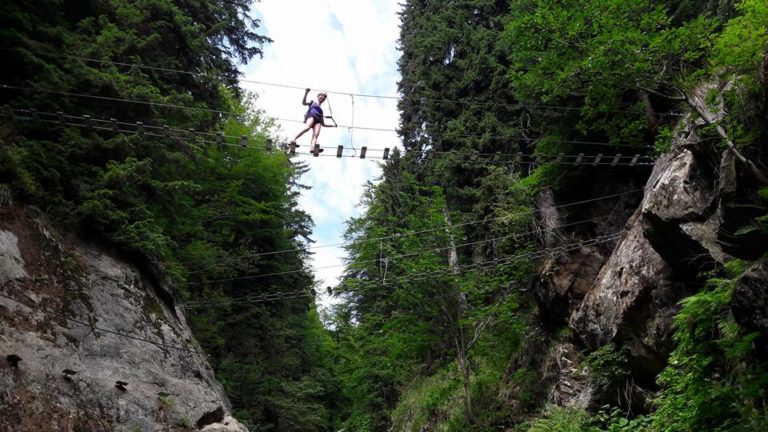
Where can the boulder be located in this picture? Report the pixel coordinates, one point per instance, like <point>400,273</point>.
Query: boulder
<point>634,297</point>
<point>680,199</point>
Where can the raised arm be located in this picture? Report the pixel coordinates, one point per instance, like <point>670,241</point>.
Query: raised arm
<point>304,101</point>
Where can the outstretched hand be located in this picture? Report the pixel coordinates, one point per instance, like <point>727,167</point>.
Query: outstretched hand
<point>306,90</point>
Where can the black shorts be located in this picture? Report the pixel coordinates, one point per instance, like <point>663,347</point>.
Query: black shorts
<point>316,118</point>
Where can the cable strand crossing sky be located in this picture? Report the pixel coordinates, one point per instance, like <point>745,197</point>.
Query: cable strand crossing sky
<point>259,276</point>
<point>165,131</point>
<point>350,127</point>
<point>338,92</point>
<point>482,265</point>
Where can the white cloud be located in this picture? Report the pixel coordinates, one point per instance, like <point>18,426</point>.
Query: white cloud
<point>333,45</point>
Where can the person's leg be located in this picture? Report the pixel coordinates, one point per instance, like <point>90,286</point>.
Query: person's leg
<point>307,126</point>
<point>315,133</point>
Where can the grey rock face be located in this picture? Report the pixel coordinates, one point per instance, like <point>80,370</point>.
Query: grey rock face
<point>70,306</point>
<point>634,284</point>
<point>677,214</point>
<point>564,280</point>
<point>670,240</point>
<point>572,387</point>
<point>750,299</point>
<point>549,217</point>
<point>11,262</point>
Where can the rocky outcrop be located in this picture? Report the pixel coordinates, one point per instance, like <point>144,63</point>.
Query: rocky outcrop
<point>95,347</point>
<point>567,275</point>
<point>678,211</point>
<point>633,285</point>
<point>687,224</point>
<point>635,295</point>
<point>564,280</point>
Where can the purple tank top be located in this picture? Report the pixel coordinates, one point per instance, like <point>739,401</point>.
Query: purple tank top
<point>315,110</point>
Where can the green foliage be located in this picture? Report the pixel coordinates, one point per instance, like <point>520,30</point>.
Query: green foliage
<point>386,329</point>
<point>735,268</point>
<point>607,365</point>
<point>559,419</point>
<point>742,44</point>
<point>663,141</point>
<point>277,372</point>
<point>359,422</point>
<point>712,381</point>
<point>597,56</point>
<point>166,402</point>
<point>438,400</point>
<point>185,422</point>
<point>611,419</point>
<point>435,397</point>
<point>738,59</point>
<point>763,193</point>
<point>394,324</point>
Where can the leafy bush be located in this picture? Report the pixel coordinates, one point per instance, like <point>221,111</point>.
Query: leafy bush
<point>742,44</point>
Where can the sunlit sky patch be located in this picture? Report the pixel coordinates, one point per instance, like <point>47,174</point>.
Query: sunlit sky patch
<point>343,46</point>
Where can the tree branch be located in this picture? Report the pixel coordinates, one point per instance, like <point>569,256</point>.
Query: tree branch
<point>708,120</point>
<point>680,97</point>
<point>218,217</point>
<point>731,146</point>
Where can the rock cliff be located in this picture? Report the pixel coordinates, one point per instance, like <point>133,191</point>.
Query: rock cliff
<point>686,224</point>
<point>90,342</point>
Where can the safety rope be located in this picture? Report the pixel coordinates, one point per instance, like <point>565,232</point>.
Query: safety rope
<point>352,128</point>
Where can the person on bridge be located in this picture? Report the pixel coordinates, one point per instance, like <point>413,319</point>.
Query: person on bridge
<point>313,119</point>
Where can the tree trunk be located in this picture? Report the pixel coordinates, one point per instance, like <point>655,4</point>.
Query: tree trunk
<point>458,338</point>
<point>464,369</point>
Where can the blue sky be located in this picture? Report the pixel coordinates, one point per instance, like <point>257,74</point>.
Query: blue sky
<point>335,46</point>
